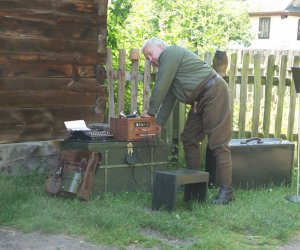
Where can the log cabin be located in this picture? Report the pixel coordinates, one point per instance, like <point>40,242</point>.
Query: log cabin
<point>52,56</point>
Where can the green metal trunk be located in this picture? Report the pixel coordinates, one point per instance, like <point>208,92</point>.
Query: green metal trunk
<point>124,166</point>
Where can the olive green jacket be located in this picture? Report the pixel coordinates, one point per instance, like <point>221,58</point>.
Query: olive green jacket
<point>180,72</point>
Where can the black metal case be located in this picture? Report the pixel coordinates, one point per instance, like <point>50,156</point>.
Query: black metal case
<point>257,162</point>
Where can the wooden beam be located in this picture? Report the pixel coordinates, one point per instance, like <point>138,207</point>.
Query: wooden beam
<point>16,27</point>
<point>44,45</point>
<point>79,58</point>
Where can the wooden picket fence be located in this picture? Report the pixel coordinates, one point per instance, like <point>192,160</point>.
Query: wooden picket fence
<point>263,95</point>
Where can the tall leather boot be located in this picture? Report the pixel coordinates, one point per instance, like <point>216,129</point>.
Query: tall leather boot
<point>224,175</point>
<point>224,196</point>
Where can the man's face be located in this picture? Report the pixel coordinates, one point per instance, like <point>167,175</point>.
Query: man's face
<point>152,53</point>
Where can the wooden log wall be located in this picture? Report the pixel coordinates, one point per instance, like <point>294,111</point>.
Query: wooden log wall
<point>52,58</point>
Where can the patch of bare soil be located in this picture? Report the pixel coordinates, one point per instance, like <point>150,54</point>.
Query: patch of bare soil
<point>14,240</point>
<point>171,242</point>
<point>293,244</point>
<point>11,239</point>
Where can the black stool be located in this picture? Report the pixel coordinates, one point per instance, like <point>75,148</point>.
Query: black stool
<point>166,183</point>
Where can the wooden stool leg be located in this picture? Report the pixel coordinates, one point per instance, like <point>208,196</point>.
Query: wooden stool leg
<point>157,198</point>
<point>195,191</point>
<point>164,191</point>
<point>170,196</point>
<point>202,191</point>
<point>187,194</point>
<point>199,192</point>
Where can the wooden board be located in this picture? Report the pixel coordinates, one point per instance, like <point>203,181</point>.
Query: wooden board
<point>28,124</point>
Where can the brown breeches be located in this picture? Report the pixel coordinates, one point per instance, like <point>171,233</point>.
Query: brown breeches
<point>212,117</point>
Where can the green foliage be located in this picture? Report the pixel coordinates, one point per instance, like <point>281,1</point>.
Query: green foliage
<point>258,219</point>
<point>202,25</point>
<point>118,12</point>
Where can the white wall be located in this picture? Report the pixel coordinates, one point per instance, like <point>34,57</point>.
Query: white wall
<point>283,34</point>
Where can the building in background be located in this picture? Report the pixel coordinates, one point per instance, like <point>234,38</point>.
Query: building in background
<point>275,24</point>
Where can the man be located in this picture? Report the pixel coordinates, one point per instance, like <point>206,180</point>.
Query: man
<point>183,76</point>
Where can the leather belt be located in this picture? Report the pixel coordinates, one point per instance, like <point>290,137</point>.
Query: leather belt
<point>210,82</point>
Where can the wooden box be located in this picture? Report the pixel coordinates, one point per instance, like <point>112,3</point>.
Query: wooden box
<point>133,129</point>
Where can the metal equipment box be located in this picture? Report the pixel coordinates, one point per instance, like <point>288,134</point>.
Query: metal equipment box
<point>133,129</point>
<point>124,166</point>
<point>257,162</point>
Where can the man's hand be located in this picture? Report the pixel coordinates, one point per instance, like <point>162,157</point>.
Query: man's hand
<point>158,128</point>
<point>145,114</point>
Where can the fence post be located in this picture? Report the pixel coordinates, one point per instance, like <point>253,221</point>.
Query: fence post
<point>243,96</point>
<point>147,84</point>
<point>293,98</point>
<point>110,81</point>
<point>268,95</point>
<point>220,62</point>
<point>121,78</point>
<point>169,129</point>
<point>181,121</point>
<point>203,143</point>
<point>134,56</point>
<point>281,92</point>
<point>232,79</point>
<point>257,95</point>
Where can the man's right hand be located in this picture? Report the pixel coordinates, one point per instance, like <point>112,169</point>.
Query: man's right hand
<point>145,114</point>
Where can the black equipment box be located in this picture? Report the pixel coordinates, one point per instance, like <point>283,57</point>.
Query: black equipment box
<point>257,162</point>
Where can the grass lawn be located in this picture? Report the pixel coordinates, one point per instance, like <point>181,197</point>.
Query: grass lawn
<point>258,219</point>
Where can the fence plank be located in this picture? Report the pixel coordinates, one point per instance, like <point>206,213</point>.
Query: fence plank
<point>110,81</point>
<point>292,107</point>
<point>257,95</point>
<point>268,95</point>
<point>180,129</point>
<point>232,73</point>
<point>169,129</point>
<point>147,84</point>
<point>203,144</point>
<point>207,58</point>
<point>134,79</point>
<point>281,92</point>
<point>121,78</point>
<point>243,96</point>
